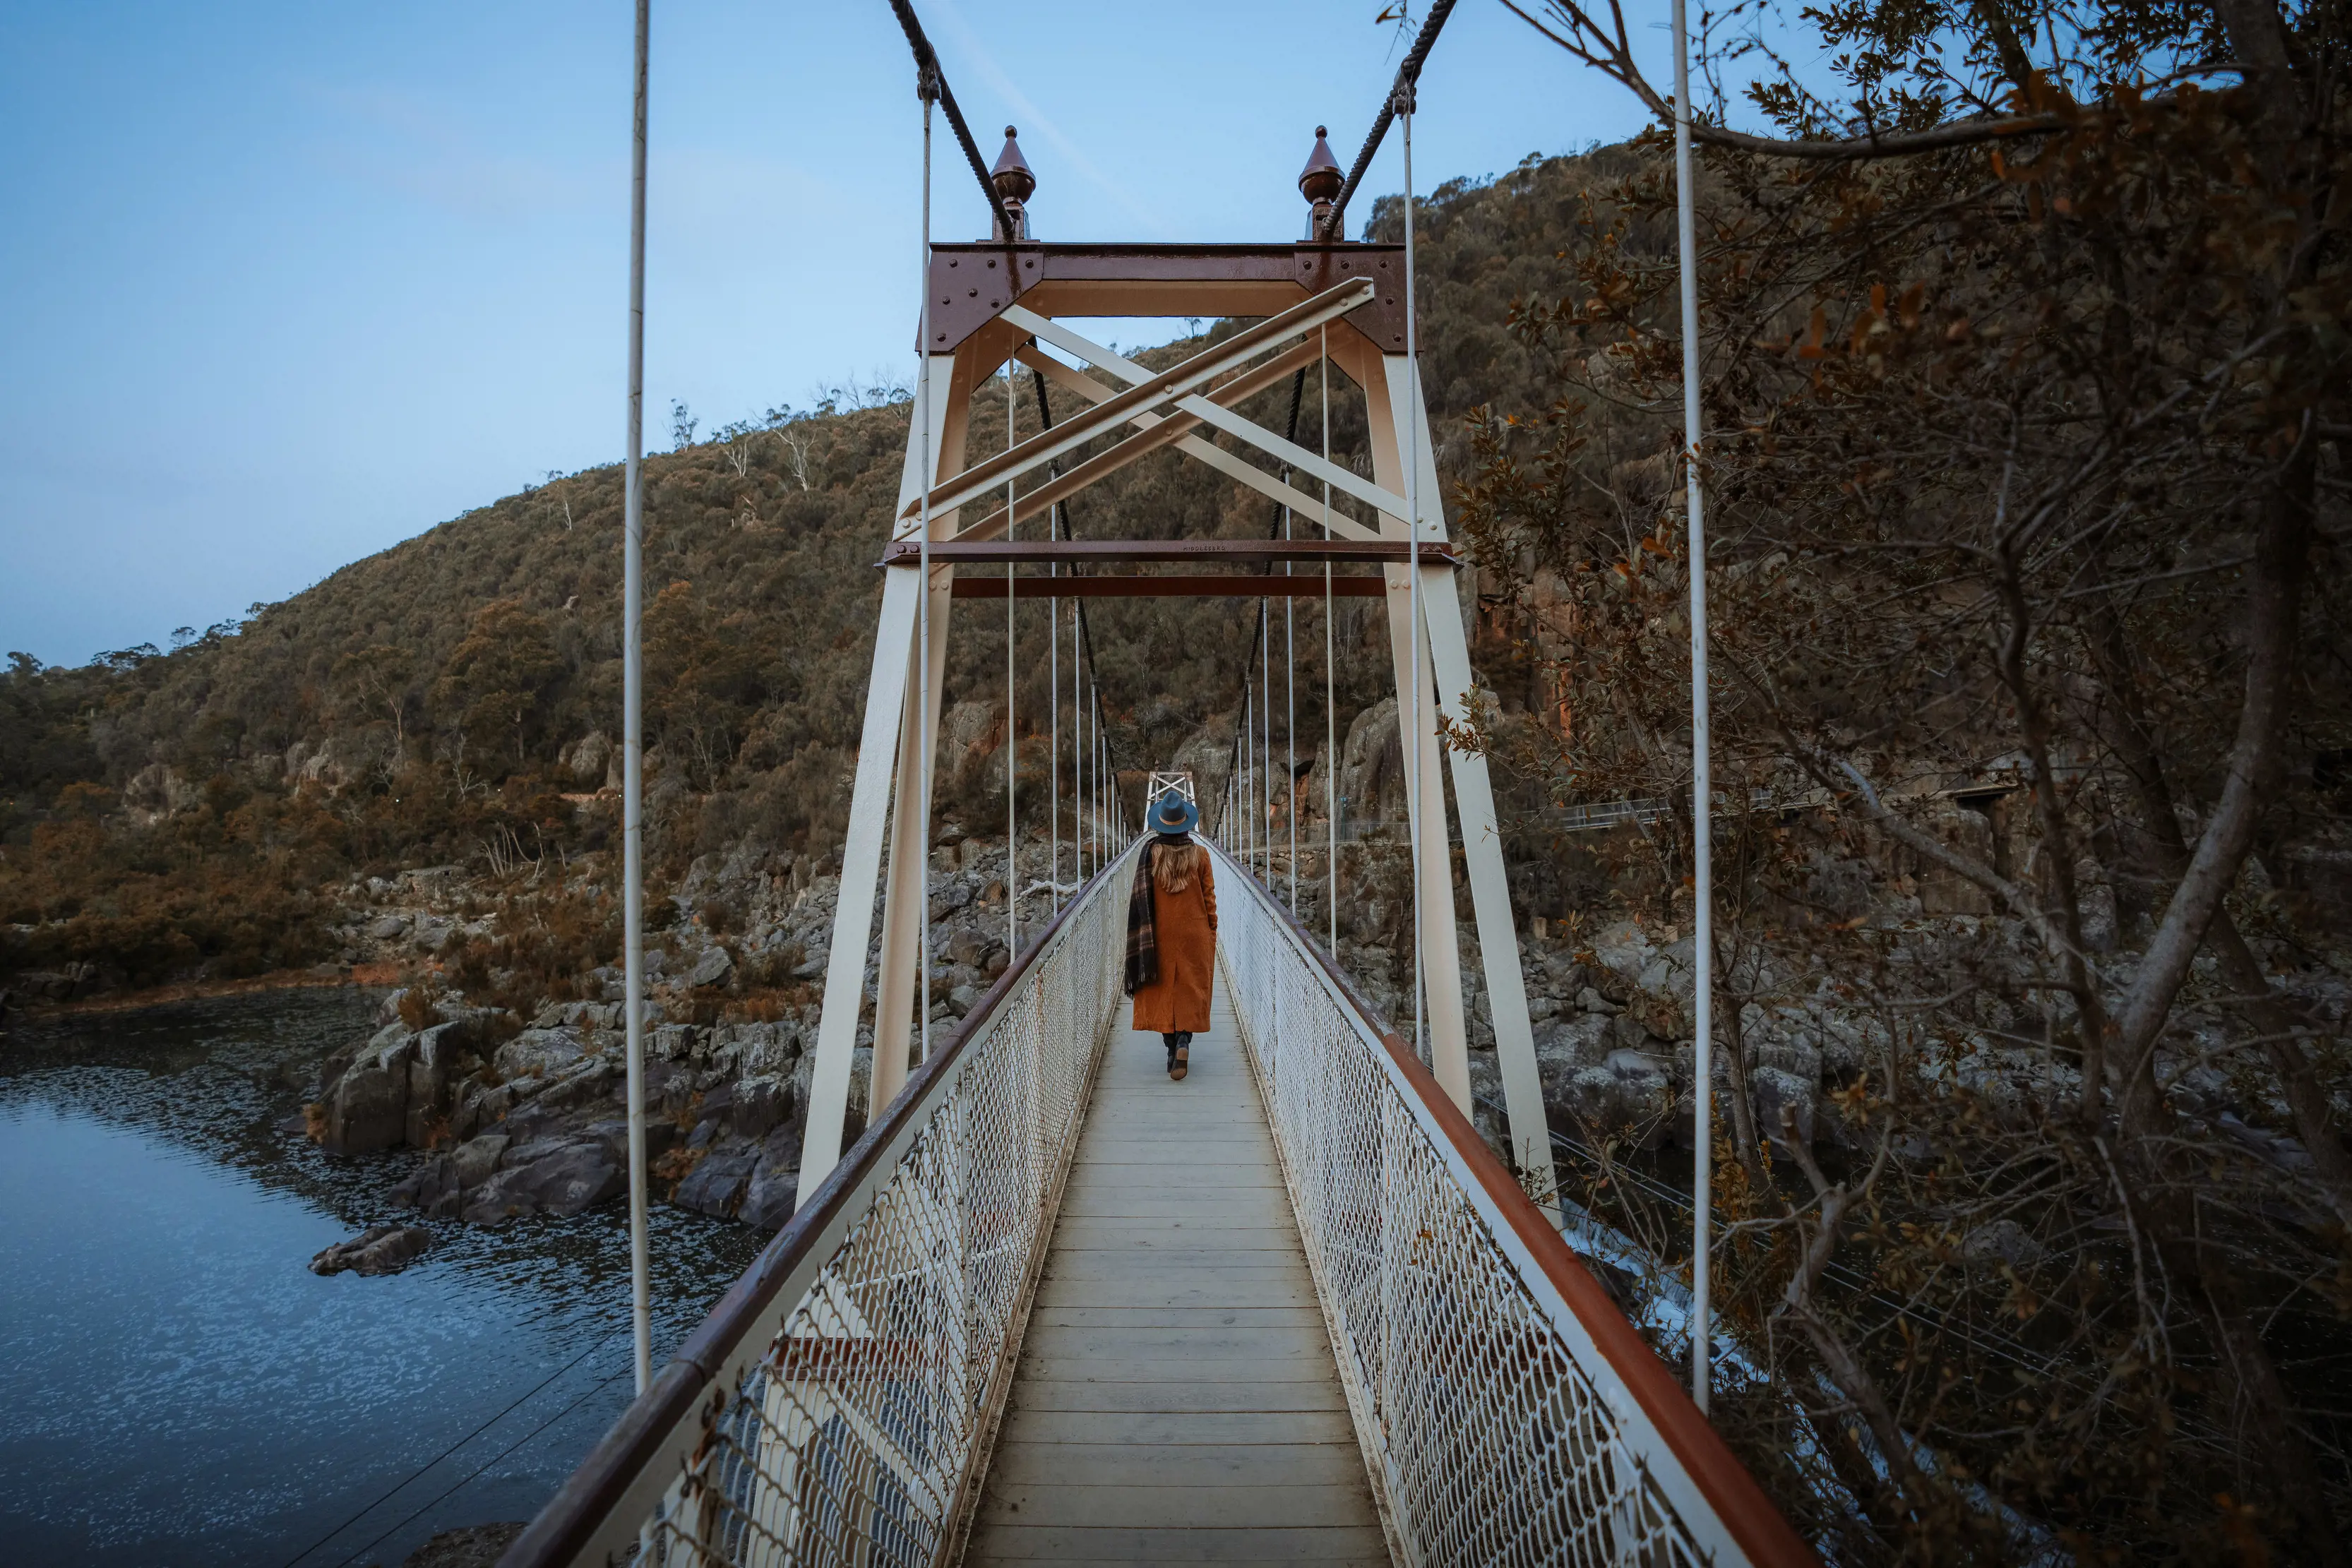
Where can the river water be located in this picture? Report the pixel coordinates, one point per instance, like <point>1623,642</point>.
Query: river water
<point>176,1386</point>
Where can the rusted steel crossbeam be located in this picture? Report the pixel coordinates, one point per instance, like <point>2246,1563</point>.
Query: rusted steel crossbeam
<point>1234,585</point>
<point>1130,552</point>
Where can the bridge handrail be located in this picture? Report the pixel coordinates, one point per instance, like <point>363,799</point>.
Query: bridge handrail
<point>787,1413</point>
<point>1509,1411</point>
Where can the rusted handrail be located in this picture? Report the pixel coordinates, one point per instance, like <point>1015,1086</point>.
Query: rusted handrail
<point>1700,1502</point>
<point>621,1484</point>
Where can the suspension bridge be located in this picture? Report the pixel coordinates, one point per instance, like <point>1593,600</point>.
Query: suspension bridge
<point>1051,1305</point>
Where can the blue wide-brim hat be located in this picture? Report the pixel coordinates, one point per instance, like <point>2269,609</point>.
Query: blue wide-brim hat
<point>1174,815</point>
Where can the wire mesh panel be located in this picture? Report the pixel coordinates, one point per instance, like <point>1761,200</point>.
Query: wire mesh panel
<point>844,1421</point>
<point>1499,1429</point>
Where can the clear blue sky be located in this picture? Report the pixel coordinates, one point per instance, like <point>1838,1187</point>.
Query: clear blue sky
<point>287,283</point>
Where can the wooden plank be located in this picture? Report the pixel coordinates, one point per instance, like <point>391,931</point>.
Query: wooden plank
<point>1117,1290</point>
<point>1175,1317</point>
<point>1162,1268</point>
<point>1241,1370</point>
<point>1184,1396</point>
<point>1128,1233</point>
<point>1165,1428</point>
<point>1115,1343</point>
<point>1249,1206</point>
<point>1256,1464</point>
<point>1349,1546</point>
<point>1178,1508</point>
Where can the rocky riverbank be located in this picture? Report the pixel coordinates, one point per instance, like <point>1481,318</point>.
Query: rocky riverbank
<point>513,1113</point>
<point>512,1118</point>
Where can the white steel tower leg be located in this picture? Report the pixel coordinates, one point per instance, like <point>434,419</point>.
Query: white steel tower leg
<point>869,802</point>
<point>1440,947</point>
<point>1482,843</point>
<point>902,908</point>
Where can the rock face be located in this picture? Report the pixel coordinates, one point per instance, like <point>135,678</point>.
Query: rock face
<point>395,1089</point>
<point>475,1546</point>
<point>380,1249</point>
<point>550,1177</point>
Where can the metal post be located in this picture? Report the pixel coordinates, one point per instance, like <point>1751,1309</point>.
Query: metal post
<point>1702,792</point>
<point>1249,761</point>
<point>1053,737</point>
<point>924,736</point>
<point>1414,804</point>
<point>1266,721</point>
<point>1079,746</point>
<point>1290,715</point>
<point>633,733</point>
<point>1012,688</point>
<point>1330,670</point>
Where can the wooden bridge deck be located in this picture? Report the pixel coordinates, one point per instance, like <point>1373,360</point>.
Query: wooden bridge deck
<point>1176,1400</point>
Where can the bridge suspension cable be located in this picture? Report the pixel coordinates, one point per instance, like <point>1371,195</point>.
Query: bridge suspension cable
<point>1408,74</point>
<point>927,67</point>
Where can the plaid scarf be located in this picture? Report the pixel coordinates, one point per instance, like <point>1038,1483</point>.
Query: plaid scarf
<point>1142,930</point>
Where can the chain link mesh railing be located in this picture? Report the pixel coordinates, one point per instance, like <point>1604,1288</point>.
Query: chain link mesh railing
<point>1508,1412</point>
<point>836,1405</point>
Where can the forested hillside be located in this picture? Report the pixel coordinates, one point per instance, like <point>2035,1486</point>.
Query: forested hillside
<point>166,812</point>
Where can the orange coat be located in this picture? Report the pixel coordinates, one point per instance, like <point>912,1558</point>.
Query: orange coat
<point>1185,925</point>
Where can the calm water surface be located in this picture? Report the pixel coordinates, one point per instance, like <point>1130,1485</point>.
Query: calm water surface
<point>176,1386</point>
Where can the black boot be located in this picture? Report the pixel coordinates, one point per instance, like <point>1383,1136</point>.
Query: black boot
<point>1179,1054</point>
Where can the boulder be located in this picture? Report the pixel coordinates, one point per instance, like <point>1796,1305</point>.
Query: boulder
<point>2001,1241</point>
<point>540,1053</point>
<point>552,1177</point>
<point>1627,1092</point>
<point>431,1189</point>
<point>1566,1044</point>
<point>713,968</point>
<point>473,1160</point>
<point>717,1182</point>
<point>775,1190</point>
<point>594,1078</point>
<point>431,1070</point>
<point>367,1106</point>
<point>390,928</point>
<point>480,1106</point>
<point>587,758</point>
<point>1771,1090</point>
<point>379,1250</point>
<point>967,946</point>
<point>661,1136</point>
<point>759,1104</point>
<point>475,1546</point>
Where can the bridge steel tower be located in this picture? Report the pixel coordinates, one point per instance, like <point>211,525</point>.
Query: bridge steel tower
<point>992,301</point>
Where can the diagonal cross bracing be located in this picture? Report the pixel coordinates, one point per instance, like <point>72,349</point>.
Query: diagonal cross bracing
<point>1209,413</point>
<point>1152,431</point>
<point>1191,445</point>
<point>1175,383</point>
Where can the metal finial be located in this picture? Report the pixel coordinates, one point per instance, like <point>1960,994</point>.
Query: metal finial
<point>1013,181</point>
<point>1320,181</point>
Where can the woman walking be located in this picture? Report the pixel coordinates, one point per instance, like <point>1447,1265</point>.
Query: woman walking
<point>1172,932</point>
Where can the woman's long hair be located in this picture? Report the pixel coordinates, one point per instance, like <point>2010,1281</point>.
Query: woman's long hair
<point>1172,866</point>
